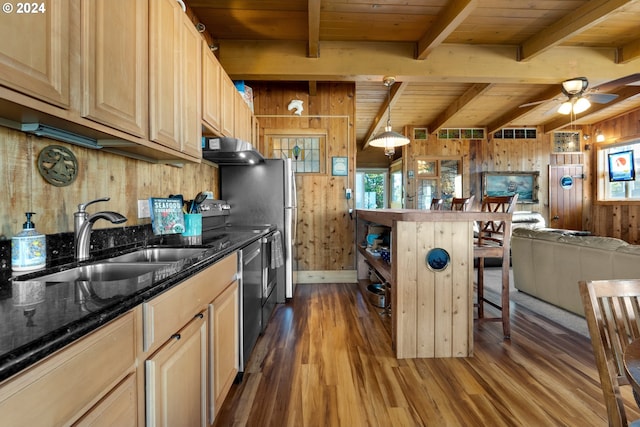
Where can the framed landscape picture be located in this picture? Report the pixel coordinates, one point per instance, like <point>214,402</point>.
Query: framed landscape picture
<point>525,184</point>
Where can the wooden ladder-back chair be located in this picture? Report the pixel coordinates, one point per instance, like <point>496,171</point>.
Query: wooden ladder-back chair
<point>436,204</point>
<point>494,241</point>
<point>612,310</point>
<point>462,203</point>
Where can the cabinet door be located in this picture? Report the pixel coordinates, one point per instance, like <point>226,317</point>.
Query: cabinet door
<point>211,93</point>
<point>59,389</point>
<point>164,72</point>
<point>229,93</point>
<point>118,408</point>
<point>242,125</point>
<point>36,61</point>
<point>176,378</point>
<point>114,64</point>
<point>191,89</point>
<point>224,341</point>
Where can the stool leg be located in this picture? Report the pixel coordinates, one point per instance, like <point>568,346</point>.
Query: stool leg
<point>480,290</point>
<point>506,325</point>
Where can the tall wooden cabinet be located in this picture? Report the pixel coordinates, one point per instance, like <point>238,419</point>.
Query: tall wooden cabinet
<point>114,61</point>
<point>174,77</point>
<point>37,60</point>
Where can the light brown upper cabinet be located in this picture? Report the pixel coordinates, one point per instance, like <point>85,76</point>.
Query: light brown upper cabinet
<point>191,92</point>
<point>36,62</point>
<point>174,76</point>
<point>211,93</point>
<point>114,54</point>
<point>242,117</point>
<point>227,113</point>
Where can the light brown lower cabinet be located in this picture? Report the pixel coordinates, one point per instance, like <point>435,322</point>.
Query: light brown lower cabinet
<point>186,379</point>
<point>170,361</point>
<point>78,383</point>
<point>176,378</point>
<point>118,408</point>
<point>224,350</point>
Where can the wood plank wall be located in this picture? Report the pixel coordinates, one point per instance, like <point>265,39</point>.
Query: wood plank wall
<point>620,220</point>
<point>479,155</point>
<point>100,174</point>
<point>325,232</point>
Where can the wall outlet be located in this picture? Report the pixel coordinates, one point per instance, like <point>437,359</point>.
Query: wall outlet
<point>143,209</point>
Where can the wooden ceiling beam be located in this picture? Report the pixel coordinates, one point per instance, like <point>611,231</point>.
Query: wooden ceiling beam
<point>585,17</point>
<point>628,52</point>
<point>515,113</point>
<point>396,91</point>
<point>563,121</point>
<point>371,61</point>
<point>446,22</point>
<point>314,28</point>
<point>455,107</point>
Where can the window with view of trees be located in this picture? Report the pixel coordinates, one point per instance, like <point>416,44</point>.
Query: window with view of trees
<point>371,189</point>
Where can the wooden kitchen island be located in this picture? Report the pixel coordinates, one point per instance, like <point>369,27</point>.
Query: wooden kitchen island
<point>431,308</point>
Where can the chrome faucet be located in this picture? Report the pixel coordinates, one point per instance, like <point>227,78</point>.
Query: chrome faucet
<point>83,223</point>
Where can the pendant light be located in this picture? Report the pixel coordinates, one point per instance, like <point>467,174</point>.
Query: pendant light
<point>389,139</point>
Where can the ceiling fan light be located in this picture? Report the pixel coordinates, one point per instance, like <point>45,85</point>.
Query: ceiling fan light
<point>575,86</point>
<point>581,105</point>
<point>565,108</point>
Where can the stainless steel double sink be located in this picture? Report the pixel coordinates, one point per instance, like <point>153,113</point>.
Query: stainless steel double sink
<point>123,267</point>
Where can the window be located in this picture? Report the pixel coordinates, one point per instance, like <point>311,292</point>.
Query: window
<point>307,151</point>
<point>437,178</point>
<point>618,184</point>
<point>371,188</point>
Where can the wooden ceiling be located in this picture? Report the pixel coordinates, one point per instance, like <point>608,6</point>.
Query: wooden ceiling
<point>457,63</point>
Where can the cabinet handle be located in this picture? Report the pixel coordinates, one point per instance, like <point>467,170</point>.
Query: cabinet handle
<point>176,336</point>
<point>199,315</point>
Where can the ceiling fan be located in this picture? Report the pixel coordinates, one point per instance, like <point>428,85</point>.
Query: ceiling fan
<point>579,97</point>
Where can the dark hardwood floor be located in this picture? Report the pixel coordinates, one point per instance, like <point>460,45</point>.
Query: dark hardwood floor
<point>326,360</point>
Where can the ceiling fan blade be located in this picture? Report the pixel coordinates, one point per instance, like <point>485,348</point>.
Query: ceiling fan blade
<point>614,84</point>
<point>529,104</point>
<point>601,98</point>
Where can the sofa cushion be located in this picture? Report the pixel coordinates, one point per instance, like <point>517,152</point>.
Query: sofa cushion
<point>605,243</point>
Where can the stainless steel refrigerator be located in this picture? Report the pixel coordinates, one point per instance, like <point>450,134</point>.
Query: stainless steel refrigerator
<point>265,193</point>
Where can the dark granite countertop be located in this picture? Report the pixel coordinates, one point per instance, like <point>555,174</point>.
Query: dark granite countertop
<point>39,318</point>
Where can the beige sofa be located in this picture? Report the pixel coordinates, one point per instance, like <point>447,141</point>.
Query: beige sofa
<point>548,264</point>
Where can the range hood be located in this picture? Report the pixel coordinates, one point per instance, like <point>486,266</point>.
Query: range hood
<point>230,151</point>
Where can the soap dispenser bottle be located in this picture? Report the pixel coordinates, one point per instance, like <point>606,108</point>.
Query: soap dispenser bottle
<point>28,248</point>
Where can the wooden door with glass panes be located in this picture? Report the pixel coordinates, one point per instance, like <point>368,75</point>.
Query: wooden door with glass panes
<point>437,178</point>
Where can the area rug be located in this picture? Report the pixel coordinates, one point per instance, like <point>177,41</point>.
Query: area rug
<point>493,281</point>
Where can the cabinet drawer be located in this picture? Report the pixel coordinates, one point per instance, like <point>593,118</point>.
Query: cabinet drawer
<point>168,312</point>
<point>65,385</point>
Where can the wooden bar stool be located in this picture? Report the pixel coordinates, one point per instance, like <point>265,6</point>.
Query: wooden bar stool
<point>436,204</point>
<point>494,241</point>
<point>462,204</point>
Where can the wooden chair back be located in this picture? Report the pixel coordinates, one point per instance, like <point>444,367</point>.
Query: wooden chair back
<point>612,310</point>
<point>436,204</point>
<point>462,203</point>
<point>495,230</point>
